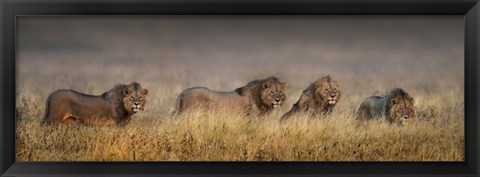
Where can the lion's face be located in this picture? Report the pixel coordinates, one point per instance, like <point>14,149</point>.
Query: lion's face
<point>328,91</point>
<point>273,94</point>
<point>134,99</point>
<point>402,110</point>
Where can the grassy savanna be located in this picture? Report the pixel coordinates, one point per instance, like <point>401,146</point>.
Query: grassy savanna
<point>366,55</point>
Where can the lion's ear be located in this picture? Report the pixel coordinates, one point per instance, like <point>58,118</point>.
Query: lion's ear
<point>145,91</point>
<point>411,99</point>
<point>394,101</point>
<point>336,83</point>
<point>266,85</point>
<point>126,92</point>
<point>318,84</point>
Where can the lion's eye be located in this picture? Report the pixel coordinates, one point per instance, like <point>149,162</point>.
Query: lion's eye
<point>132,97</point>
<point>140,97</point>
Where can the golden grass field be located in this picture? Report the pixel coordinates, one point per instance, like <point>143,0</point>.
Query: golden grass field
<point>91,55</point>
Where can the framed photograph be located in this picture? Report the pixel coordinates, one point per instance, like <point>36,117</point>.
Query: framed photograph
<point>254,88</point>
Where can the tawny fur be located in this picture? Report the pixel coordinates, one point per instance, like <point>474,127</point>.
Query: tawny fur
<point>257,98</point>
<point>114,107</point>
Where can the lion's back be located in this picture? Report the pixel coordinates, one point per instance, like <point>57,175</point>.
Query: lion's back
<point>371,107</point>
<point>64,97</point>
<point>199,95</point>
<point>69,98</point>
<point>206,99</point>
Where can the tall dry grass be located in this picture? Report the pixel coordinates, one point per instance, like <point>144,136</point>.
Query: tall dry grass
<point>437,133</point>
<point>166,55</point>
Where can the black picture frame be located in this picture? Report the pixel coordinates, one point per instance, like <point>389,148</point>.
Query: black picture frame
<point>10,9</point>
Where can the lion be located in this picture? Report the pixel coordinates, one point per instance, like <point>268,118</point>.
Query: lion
<point>256,98</point>
<point>318,99</point>
<point>114,107</point>
<point>397,107</point>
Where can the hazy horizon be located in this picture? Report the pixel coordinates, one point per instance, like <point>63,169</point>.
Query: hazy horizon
<point>222,46</point>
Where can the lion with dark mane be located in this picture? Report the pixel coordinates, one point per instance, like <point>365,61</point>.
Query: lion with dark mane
<point>318,99</point>
<point>257,98</point>
<point>397,107</point>
<point>114,107</point>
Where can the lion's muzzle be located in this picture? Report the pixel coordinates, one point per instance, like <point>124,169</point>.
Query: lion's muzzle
<point>277,102</point>
<point>332,100</point>
<point>405,120</point>
<point>137,108</point>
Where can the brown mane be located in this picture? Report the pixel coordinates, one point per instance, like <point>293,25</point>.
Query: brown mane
<point>254,90</point>
<point>396,93</point>
<point>313,103</point>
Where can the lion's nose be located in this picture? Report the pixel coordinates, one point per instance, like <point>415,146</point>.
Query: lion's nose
<point>136,103</point>
<point>332,94</point>
<point>277,99</point>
